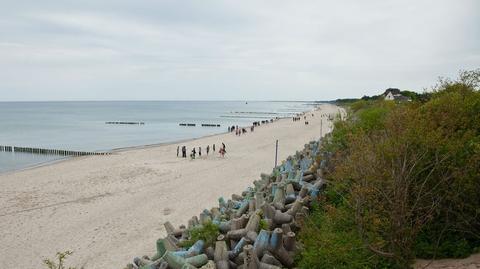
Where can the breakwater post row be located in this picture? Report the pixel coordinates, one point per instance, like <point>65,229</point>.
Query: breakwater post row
<point>254,230</point>
<point>203,124</point>
<point>50,151</point>
<point>126,122</point>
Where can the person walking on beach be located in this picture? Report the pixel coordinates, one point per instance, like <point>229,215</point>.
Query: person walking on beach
<point>213,148</point>
<point>222,150</point>
<point>208,149</point>
<point>178,150</point>
<point>199,151</point>
<point>193,153</point>
<point>184,152</point>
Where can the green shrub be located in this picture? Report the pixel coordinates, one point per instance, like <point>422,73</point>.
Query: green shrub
<point>59,264</point>
<point>404,182</point>
<point>262,225</point>
<point>207,232</point>
<point>330,239</point>
<point>372,118</point>
<point>449,245</point>
<point>361,104</point>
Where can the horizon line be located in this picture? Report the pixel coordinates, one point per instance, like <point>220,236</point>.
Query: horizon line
<point>157,100</point>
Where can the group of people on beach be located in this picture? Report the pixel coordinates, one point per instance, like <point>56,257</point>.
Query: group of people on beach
<point>298,117</point>
<point>194,152</point>
<point>240,130</point>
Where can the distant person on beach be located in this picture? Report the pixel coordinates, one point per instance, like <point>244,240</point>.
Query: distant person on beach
<point>208,149</point>
<point>199,151</point>
<point>184,152</point>
<point>193,153</point>
<point>213,148</point>
<point>222,150</point>
<point>178,150</point>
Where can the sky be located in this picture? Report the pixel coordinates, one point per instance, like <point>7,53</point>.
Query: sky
<point>231,50</point>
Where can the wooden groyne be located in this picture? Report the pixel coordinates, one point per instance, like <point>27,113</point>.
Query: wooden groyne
<point>126,122</point>
<point>6,148</point>
<point>59,152</point>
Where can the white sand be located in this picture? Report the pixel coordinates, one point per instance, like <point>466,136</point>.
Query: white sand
<point>109,209</point>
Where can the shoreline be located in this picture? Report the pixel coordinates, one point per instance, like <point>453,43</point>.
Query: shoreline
<point>108,209</point>
<point>113,151</point>
<point>130,148</point>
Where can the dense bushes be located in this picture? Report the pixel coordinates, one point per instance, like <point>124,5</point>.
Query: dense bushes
<point>330,236</point>
<point>413,178</point>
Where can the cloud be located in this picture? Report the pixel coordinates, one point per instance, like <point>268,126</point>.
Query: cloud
<point>57,50</point>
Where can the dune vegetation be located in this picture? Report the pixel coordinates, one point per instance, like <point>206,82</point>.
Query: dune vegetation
<point>403,181</point>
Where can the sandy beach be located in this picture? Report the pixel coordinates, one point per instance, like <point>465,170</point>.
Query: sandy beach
<point>109,209</point>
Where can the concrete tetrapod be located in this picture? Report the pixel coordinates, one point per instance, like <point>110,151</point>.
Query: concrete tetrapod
<point>275,246</point>
<point>237,249</point>
<point>282,199</point>
<point>198,260</point>
<point>279,197</point>
<point>147,264</point>
<point>161,249</point>
<point>289,241</point>
<point>277,216</point>
<point>194,250</point>
<point>261,243</point>
<point>295,208</point>
<point>221,253</point>
<point>251,260</point>
<point>290,194</point>
<point>177,262</point>
<point>269,259</point>
<point>249,230</point>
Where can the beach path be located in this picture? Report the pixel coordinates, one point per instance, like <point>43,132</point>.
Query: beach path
<point>109,209</point>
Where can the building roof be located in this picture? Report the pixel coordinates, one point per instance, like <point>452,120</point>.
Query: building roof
<point>394,91</point>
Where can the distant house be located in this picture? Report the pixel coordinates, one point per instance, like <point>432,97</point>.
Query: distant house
<point>390,96</point>
<point>393,94</point>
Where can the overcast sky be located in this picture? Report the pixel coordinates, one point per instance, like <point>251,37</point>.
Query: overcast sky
<point>231,50</point>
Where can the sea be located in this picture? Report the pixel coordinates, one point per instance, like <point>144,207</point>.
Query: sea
<point>82,125</point>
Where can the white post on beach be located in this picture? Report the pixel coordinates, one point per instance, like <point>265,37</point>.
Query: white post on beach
<point>276,152</point>
<point>321,122</point>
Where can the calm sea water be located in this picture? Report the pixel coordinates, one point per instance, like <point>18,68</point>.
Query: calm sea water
<point>81,125</point>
